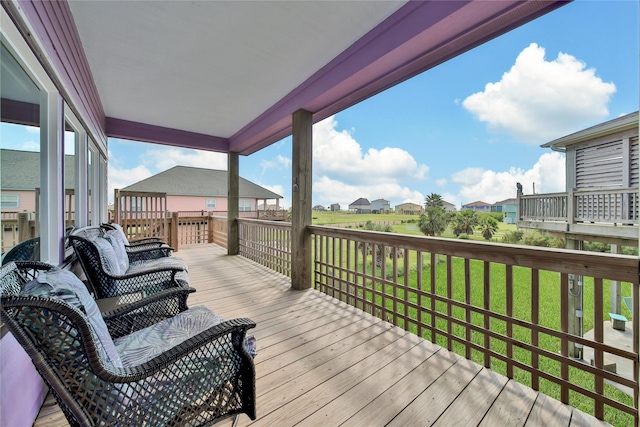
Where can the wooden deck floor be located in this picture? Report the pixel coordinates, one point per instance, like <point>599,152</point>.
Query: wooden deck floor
<point>323,363</point>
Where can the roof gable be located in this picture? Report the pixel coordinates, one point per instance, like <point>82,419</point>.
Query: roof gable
<point>191,181</point>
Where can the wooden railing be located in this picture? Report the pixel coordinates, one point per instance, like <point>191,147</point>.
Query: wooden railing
<point>599,206</point>
<point>511,308</point>
<point>267,243</point>
<point>196,228</point>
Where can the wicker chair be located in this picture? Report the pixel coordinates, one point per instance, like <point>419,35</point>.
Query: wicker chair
<point>141,242</point>
<point>28,250</point>
<point>192,369</point>
<point>121,273</point>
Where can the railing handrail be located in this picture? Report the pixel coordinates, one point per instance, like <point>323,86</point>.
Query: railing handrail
<point>266,222</point>
<point>617,267</point>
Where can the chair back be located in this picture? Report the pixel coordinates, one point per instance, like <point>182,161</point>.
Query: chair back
<point>94,264</point>
<point>29,250</point>
<point>59,338</point>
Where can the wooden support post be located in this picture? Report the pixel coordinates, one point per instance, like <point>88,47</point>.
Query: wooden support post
<point>301,200</point>
<point>576,297</point>
<point>616,289</point>
<point>233,203</point>
<point>174,231</point>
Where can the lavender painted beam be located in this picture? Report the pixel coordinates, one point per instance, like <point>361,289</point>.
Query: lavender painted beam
<point>419,36</point>
<point>118,128</point>
<point>21,113</point>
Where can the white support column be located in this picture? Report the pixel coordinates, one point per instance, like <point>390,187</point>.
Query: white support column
<point>81,179</point>
<point>576,298</point>
<point>51,204</point>
<point>233,204</point>
<point>616,289</point>
<point>302,157</point>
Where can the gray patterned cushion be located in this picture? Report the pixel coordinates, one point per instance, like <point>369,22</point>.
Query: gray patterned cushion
<point>118,243</point>
<point>64,285</point>
<point>145,344</point>
<point>108,256</point>
<point>118,229</point>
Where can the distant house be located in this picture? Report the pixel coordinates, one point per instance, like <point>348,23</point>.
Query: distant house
<point>319,208</point>
<point>335,207</point>
<point>449,207</point>
<point>199,189</point>
<point>408,209</point>
<point>361,206</point>
<point>380,206</point>
<point>509,209</point>
<point>477,206</point>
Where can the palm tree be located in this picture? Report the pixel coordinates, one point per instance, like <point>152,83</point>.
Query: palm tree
<point>464,222</point>
<point>488,226</point>
<point>433,200</point>
<point>433,222</point>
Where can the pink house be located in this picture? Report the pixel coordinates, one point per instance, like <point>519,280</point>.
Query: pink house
<point>197,189</point>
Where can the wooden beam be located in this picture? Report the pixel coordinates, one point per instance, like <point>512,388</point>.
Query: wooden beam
<point>301,200</point>
<point>233,201</point>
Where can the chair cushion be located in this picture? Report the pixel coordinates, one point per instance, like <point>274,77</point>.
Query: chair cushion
<point>118,243</point>
<point>118,229</point>
<point>108,256</point>
<point>66,286</point>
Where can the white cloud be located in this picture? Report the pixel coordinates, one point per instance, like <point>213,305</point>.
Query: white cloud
<point>441,182</point>
<point>280,162</point>
<point>537,100</point>
<point>339,155</point>
<point>344,173</point>
<point>278,189</point>
<point>548,175</point>
<point>163,158</point>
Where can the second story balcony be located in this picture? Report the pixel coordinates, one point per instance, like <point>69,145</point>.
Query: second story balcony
<point>599,213</point>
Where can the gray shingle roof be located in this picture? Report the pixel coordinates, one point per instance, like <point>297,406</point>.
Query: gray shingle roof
<point>20,170</point>
<point>191,181</point>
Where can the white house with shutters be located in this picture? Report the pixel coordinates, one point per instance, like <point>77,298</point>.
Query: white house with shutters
<point>601,198</point>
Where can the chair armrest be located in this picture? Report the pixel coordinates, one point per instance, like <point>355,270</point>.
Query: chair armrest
<point>146,311</point>
<point>148,253</point>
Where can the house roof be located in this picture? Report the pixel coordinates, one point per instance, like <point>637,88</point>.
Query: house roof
<point>227,75</point>
<point>20,170</point>
<point>626,122</point>
<point>360,202</point>
<point>477,203</point>
<point>511,201</point>
<point>401,205</point>
<point>379,200</point>
<point>190,181</point>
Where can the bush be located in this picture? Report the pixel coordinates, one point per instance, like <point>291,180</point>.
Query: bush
<point>512,237</point>
<point>463,236</point>
<point>536,239</point>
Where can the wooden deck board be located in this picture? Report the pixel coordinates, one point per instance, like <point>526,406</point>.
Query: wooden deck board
<point>322,362</point>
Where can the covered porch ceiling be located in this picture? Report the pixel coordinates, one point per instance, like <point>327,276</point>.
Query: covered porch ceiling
<point>227,75</point>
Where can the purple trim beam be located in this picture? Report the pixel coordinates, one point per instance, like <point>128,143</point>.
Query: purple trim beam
<point>118,128</point>
<point>19,112</point>
<point>417,37</point>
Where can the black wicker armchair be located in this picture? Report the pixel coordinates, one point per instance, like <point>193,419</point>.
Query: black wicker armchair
<point>114,273</point>
<point>28,250</point>
<point>145,242</point>
<point>192,369</point>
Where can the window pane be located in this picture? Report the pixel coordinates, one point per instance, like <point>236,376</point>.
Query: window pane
<point>19,155</point>
<point>69,176</point>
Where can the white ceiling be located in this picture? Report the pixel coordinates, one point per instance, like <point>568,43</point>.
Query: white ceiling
<point>212,66</point>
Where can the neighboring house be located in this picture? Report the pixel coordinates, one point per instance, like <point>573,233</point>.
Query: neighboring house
<point>449,207</point>
<point>477,206</point>
<point>361,206</point>
<point>408,209</point>
<point>509,208</point>
<point>198,189</point>
<point>335,207</point>
<point>20,182</point>
<point>380,206</point>
<point>319,208</point>
<point>601,200</point>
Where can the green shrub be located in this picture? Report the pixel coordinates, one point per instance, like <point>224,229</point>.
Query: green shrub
<point>463,236</point>
<point>513,237</point>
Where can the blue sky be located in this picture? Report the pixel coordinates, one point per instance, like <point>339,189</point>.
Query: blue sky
<point>468,129</point>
